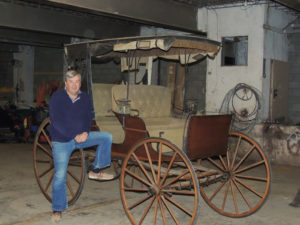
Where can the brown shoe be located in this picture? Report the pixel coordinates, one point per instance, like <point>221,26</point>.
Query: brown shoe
<point>56,216</point>
<point>100,176</point>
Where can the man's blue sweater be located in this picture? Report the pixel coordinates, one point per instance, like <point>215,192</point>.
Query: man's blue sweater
<point>68,117</point>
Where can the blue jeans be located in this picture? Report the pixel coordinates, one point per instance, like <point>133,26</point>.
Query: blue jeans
<point>61,154</point>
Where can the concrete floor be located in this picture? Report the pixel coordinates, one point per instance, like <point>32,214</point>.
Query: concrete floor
<point>21,201</point>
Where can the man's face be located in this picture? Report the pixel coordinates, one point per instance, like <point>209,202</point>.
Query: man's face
<point>73,85</point>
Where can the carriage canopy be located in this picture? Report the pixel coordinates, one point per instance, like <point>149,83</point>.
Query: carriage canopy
<point>184,48</point>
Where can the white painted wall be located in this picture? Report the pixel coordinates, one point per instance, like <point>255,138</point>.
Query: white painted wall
<point>244,21</point>
<point>226,22</point>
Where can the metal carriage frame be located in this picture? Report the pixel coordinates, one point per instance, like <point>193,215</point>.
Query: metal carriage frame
<point>159,182</point>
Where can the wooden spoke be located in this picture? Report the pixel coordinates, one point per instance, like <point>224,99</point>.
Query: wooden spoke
<point>159,162</point>
<point>136,189</point>
<point>139,202</point>
<point>150,162</point>
<point>252,177</point>
<point>47,137</point>
<point>137,177</point>
<point>142,168</point>
<point>216,164</point>
<point>46,171</point>
<point>45,150</point>
<point>225,196</point>
<point>178,205</point>
<point>176,178</point>
<point>250,166</point>
<point>43,161</point>
<point>235,152</point>
<point>147,210</point>
<point>244,157</point>
<point>49,182</point>
<point>168,169</point>
<point>73,176</point>
<point>217,191</point>
<point>70,188</point>
<point>170,210</point>
<point>242,193</point>
<point>162,212</point>
<point>249,188</point>
<point>226,167</point>
<point>234,198</point>
<point>155,210</point>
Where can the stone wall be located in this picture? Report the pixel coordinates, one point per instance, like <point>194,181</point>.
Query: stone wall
<point>279,142</point>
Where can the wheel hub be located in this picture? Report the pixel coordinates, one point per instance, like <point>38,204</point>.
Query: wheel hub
<point>228,175</point>
<point>155,189</point>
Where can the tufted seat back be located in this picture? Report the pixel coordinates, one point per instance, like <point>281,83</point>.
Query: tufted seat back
<point>151,101</point>
<point>102,99</point>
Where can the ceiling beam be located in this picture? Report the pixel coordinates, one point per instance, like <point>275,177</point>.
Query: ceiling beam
<point>4,47</point>
<point>41,18</point>
<point>294,4</point>
<point>33,38</point>
<point>152,12</point>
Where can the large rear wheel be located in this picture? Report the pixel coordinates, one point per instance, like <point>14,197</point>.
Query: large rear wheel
<point>241,181</point>
<point>44,166</point>
<point>163,185</point>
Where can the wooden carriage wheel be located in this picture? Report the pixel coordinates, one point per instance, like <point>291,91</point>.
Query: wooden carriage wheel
<point>165,188</point>
<point>44,166</point>
<point>241,183</point>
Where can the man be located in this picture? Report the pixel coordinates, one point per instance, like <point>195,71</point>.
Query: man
<point>71,119</point>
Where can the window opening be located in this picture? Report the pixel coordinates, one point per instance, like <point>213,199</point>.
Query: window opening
<point>235,51</point>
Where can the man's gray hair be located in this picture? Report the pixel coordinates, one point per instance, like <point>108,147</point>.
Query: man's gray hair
<point>70,74</point>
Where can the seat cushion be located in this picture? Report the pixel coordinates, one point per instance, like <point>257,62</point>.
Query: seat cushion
<point>172,128</point>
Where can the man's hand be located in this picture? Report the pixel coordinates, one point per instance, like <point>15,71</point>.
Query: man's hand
<point>81,137</point>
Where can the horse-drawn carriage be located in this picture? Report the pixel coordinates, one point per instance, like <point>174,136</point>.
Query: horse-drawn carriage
<point>159,182</point>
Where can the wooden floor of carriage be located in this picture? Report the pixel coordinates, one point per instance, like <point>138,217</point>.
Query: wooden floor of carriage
<point>21,201</point>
